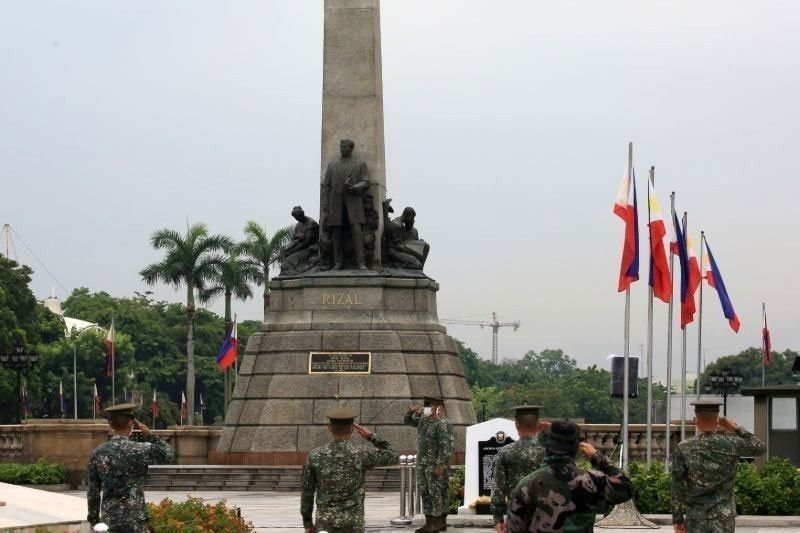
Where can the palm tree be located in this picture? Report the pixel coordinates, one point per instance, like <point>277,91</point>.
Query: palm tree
<point>190,260</point>
<point>231,278</point>
<point>262,252</point>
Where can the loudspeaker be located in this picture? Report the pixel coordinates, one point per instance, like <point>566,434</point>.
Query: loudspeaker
<point>618,373</point>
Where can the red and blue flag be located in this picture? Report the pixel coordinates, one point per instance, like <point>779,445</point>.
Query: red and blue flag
<point>690,274</point>
<point>715,280</point>
<point>766,340</point>
<point>229,349</point>
<point>625,208</point>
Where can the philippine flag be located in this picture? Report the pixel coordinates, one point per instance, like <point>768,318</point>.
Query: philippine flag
<point>154,405</point>
<point>26,401</point>
<point>659,267</point>
<point>715,280</point>
<point>766,341</point>
<point>626,209</point>
<point>690,274</point>
<point>62,401</point>
<point>229,349</point>
<point>110,346</point>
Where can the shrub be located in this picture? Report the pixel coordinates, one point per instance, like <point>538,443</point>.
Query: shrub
<point>39,473</point>
<point>651,487</point>
<point>194,516</point>
<point>455,492</point>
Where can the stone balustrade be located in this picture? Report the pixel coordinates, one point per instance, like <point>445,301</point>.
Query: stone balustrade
<point>70,442</point>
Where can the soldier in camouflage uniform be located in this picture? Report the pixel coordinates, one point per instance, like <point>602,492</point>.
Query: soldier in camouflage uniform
<point>336,473</point>
<point>560,496</point>
<point>434,449</point>
<point>704,471</point>
<point>517,460</point>
<point>118,469</point>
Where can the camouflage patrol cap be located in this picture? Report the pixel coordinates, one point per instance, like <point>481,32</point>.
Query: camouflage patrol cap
<point>341,416</point>
<point>706,406</point>
<point>562,438</point>
<point>121,409</point>
<point>427,401</point>
<point>526,410</point>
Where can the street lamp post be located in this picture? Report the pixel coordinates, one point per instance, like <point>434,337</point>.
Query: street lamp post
<point>74,336</point>
<point>18,361</point>
<point>723,383</point>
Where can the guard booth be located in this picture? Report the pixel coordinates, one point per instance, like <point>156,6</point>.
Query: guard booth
<point>776,413</point>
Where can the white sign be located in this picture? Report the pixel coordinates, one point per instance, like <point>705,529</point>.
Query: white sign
<point>475,434</point>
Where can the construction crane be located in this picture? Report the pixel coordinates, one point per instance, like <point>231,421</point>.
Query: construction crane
<point>494,324</point>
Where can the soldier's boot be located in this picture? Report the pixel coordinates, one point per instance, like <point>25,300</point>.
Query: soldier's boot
<point>443,522</point>
<point>428,527</point>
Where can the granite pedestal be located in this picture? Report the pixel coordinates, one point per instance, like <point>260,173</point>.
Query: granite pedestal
<point>277,412</point>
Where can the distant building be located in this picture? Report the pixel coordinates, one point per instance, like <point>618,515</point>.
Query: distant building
<point>54,305</point>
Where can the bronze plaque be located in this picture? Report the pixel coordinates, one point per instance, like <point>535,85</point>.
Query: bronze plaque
<point>339,362</point>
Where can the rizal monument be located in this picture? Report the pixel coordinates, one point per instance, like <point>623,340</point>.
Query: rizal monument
<point>352,317</point>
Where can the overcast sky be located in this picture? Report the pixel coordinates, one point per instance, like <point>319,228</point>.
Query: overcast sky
<point>506,128</point>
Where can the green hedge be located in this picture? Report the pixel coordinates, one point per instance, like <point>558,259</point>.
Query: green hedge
<point>39,473</point>
<point>773,490</point>
<point>194,516</point>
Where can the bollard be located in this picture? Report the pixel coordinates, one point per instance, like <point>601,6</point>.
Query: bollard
<point>403,519</point>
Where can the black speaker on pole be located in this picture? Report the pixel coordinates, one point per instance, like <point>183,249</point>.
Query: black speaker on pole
<point>618,373</point>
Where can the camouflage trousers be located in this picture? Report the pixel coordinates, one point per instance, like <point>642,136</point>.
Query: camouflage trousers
<point>710,525</point>
<point>433,490</point>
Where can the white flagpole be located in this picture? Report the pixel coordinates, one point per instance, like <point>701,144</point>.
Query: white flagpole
<point>700,319</point>
<point>763,359</point>
<point>650,330</point>
<point>627,348</point>
<point>668,425</point>
<point>113,364</point>
<point>683,347</point>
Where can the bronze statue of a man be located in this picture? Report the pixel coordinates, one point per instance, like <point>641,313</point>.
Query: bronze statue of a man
<point>342,203</point>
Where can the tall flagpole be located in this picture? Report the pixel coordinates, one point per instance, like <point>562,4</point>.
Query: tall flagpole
<point>763,359</point>
<point>626,365</point>
<point>668,425</point>
<point>700,320</point>
<point>683,348</point>
<point>113,363</point>
<point>650,329</point>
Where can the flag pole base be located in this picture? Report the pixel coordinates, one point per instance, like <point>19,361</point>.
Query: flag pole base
<point>626,516</point>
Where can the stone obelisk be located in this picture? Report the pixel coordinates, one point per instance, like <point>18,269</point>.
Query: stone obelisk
<point>367,340</point>
<point>352,90</point>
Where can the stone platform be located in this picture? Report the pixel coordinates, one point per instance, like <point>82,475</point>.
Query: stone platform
<point>277,412</point>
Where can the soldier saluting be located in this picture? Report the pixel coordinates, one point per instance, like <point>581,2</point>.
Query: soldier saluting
<point>336,471</point>
<point>434,450</point>
<point>704,471</point>
<point>118,469</point>
<point>517,460</point>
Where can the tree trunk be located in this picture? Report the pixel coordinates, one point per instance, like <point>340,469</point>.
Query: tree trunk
<point>190,356</point>
<point>266,302</point>
<point>228,318</point>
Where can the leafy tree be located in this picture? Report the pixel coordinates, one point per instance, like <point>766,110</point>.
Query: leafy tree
<point>190,261</point>
<point>262,252</point>
<point>231,279</point>
<point>748,364</point>
<point>550,364</point>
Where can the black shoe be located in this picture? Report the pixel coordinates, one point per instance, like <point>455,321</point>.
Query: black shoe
<point>427,528</point>
<point>337,266</point>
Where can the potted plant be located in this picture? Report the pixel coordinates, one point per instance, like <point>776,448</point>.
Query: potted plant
<point>481,505</point>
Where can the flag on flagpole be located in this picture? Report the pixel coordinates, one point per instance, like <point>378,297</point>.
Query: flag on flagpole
<point>714,278</point>
<point>154,405</point>
<point>766,341</point>
<point>97,404</point>
<point>61,398</point>
<point>110,341</point>
<point>202,403</point>
<point>26,401</point>
<point>229,349</point>
<point>184,412</point>
<point>659,266</point>
<point>626,209</point>
<point>690,274</point>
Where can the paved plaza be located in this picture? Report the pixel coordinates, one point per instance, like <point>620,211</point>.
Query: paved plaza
<point>279,512</point>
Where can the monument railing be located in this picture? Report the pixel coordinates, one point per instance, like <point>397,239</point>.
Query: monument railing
<point>12,443</point>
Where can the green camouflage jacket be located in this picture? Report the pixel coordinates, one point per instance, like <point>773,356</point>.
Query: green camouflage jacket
<point>562,497</point>
<point>118,469</point>
<point>704,471</point>
<point>435,439</point>
<point>512,463</point>
<point>336,473</point>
